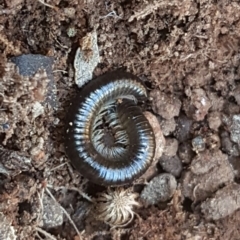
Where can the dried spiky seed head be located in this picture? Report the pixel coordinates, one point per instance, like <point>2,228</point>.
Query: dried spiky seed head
<point>116,207</point>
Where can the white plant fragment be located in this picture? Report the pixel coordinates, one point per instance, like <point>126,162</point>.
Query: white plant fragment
<point>86,59</point>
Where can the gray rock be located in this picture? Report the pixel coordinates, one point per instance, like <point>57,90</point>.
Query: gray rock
<point>52,213</point>
<point>171,164</point>
<point>30,64</point>
<point>160,189</point>
<point>235,129</point>
<point>185,152</point>
<point>7,231</point>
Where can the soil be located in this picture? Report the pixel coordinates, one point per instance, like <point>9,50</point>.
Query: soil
<point>187,53</point>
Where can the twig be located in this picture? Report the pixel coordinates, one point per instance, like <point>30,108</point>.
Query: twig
<point>46,234</point>
<point>37,235</point>
<point>98,233</point>
<point>59,70</point>
<point>61,45</point>
<point>111,14</point>
<point>46,4</point>
<point>58,166</point>
<point>40,196</point>
<point>84,195</point>
<point>66,213</point>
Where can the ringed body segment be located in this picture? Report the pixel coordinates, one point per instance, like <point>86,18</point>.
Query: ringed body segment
<point>107,137</point>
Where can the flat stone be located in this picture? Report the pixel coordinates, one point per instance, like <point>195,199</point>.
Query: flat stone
<point>160,189</point>
<point>30,64</point>
<point>52,213</point>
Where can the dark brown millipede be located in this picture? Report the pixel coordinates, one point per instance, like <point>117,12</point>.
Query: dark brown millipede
<point>107,137</point>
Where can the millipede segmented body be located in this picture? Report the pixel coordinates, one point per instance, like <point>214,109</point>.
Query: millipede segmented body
<point>107,138</point>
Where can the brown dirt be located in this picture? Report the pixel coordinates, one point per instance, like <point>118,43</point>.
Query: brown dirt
<point>187,52</point>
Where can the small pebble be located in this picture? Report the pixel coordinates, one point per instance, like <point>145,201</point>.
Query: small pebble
<point>228,146</point>
<point>213,141</point>
<point>52,213</point>
<point>71,31</point>
<point>183,129</point>
<point>198,104</point>
<point>171,164</point>
<point>198,144</point>
<point>168,126</point>
<point>160,189</point>
<point>185,152</point>
<point>69,12</point>
<point>214,120</point>
<point>171,147</point>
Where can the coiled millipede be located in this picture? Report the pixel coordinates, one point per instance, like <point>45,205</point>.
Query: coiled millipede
<point>108,139</point>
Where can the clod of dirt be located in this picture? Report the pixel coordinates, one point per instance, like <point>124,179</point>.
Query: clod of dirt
<point>231,108</point>
<point>171,164</point>
<point>217,102</point>
<point>167,106</point>
<point>168,126</point>
<point>69,12</point>
<point>185,152</point>
<point>208,171</point>
<point>214,120</point>
<point>159,189</point>
<point>228,146</point>
<point>13,3</point>
<point>183,131</point>
<point>13,162</point>
<point>198,144</point>
<point>225,202</point>
<point>198,106</point>
<point>86,59</point>
<point>7,231</point>
<point>171,147</point>
<point>235,129</point>
<point>52,213</point>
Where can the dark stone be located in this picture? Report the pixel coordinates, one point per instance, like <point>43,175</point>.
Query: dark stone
<point>30,64</point>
